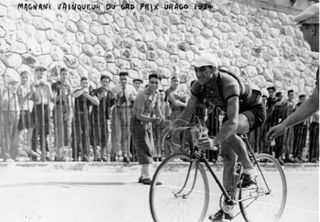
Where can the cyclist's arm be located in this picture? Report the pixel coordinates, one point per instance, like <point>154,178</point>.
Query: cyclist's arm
<point>230,126</point>
<point>306,109</point>
<point>188,111</point>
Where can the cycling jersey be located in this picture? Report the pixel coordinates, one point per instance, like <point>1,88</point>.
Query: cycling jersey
<point>223,86</point>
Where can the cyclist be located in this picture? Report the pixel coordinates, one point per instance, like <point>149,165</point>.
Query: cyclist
<point>244,112</point>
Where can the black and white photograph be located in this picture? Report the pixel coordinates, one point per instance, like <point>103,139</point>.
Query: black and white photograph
<point>159,111</point>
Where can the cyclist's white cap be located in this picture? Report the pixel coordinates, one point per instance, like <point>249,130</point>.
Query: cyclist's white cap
<point>309,16</point>
<point>206,59</point>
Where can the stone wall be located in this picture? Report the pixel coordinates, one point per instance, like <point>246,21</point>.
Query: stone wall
<point>262,46</point>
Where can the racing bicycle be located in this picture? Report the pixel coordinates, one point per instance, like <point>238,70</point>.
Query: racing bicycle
<point>184,193</point>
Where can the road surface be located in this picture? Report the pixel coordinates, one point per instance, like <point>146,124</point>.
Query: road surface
<point>93,193</point>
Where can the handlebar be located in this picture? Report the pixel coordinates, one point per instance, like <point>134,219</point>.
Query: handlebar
<point>181,128</point>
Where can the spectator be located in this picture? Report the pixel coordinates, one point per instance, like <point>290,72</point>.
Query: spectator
<point>314,139</point>
<point>81,130</point>
<point>176,99</point>
<point>289,107</point>
<point>271,99</point>
<point>272,117</point>
<point>25,120</point>
<point>300,135</point>
<point>10,117</point>
<point>121,114</point>
<point>61,113</point>
<point>157,128</point>
<point>277,117</point>
<point>137,85</point>
<point>100,118</point>
<point>41,95</point>
<point>145,104</point>
<point>259,143</point>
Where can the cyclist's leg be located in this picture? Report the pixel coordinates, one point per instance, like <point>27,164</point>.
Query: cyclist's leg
<point>229,165</point>
<point>237,144</point>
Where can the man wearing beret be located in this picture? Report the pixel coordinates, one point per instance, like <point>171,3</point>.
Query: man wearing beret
<point>309,25</point>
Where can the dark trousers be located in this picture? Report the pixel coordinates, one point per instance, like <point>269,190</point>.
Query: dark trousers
<point>40,116</point>
<point>278,148</point>
<point>80,135</point>
<point>314,142</point>
<point>299,142</point>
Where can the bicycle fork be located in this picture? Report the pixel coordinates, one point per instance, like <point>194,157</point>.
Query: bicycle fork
<point>179,193</point>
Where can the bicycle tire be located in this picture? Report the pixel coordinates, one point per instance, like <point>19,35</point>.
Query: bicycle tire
<point>260,208</point>
<point>176,192</point>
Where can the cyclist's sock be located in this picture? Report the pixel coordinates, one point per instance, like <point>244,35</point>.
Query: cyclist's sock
<point>249,171</point>
<point>228,209</point>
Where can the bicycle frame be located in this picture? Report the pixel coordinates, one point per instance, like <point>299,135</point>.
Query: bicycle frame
<point>200,157</point>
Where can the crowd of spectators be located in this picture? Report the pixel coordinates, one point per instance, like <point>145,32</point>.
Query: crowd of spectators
<point>54,122</point>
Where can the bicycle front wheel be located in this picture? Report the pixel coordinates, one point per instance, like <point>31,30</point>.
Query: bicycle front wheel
<point>265,201</point>
<point>184,192</point>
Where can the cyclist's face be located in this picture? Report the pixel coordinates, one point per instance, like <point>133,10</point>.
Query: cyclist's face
<point>204,74</point>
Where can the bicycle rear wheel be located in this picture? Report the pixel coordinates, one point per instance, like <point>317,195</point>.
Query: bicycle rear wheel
<point>184,192</point>
<point>265,201</point>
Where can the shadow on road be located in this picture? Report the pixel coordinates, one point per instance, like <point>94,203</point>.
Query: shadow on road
<point>66,184</point>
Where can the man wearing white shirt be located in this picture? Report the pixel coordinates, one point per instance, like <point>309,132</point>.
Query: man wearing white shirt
<point>26,106</point>
<point>124,96</point>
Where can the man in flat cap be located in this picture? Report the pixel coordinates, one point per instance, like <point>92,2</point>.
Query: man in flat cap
<point>137,84</point>
<point>244,112</point>
<point>309,22</point>
<point>42,96</point>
